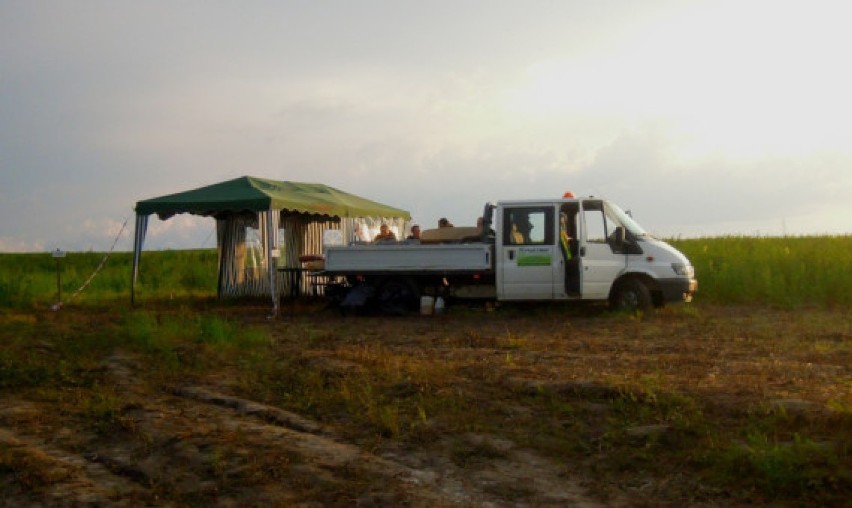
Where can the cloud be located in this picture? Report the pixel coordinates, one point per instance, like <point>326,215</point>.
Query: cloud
<point>16,244</point>
<point>180,231</point>
<point>644,169</point>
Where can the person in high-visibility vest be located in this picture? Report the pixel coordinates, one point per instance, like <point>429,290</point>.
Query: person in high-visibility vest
<point>564,238</point>
<point>566,244</point>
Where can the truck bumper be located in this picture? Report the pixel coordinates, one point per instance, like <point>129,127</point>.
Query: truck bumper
<point>678,290</point>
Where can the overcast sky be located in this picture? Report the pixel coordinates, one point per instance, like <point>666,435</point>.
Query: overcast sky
<point>703,118</point>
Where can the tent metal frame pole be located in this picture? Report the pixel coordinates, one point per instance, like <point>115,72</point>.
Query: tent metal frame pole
<point>138,241</point>
<point>270,261</point>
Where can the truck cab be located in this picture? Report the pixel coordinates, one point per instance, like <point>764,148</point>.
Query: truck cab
<point>583,249</point>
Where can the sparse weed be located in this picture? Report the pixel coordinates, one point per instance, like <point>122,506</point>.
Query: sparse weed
<point>214,330</point>
<point>387,420</point>
<point>30,470</point>
<point>19,371</point>
<point>103,410</point>
<point>798,467</point>
<point>513,341</point>
<point>840,406</point>
<point>657,407</point>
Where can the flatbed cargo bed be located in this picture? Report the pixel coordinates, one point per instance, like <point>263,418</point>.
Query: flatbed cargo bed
<point>404,257</point>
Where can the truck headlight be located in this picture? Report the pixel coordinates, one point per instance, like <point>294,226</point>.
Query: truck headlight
<point>683,269</point>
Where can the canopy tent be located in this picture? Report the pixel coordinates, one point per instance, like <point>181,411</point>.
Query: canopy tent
<point>266,203</point>
<point>249,193</point>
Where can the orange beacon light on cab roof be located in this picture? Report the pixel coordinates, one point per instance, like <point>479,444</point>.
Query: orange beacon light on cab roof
<point>568,195</point>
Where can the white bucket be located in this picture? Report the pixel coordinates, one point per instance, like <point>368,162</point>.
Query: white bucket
<point>427,304</point>
<point>439,305</point>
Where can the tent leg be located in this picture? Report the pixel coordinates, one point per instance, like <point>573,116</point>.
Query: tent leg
<point>270,261</point>
<point>138,241</point>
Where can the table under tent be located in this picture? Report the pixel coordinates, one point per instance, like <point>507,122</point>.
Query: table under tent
<point>267,229</point>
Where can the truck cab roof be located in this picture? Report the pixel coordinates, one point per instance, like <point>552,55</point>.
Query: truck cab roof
<point>545,201</point>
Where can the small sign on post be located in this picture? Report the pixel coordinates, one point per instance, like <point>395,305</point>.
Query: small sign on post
<point>58,255</point>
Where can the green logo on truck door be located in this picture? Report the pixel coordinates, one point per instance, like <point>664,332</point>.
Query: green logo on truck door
<point>534,256</point>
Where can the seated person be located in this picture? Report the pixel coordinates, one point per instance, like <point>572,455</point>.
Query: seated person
<point>444,223</point>
<point>480,223</point>
<point>385,234</point>
<point>517,236</point>
<point>415,233</point>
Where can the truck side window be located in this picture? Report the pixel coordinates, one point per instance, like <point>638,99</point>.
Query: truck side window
<point>598,225</point>
<point>528,226</point>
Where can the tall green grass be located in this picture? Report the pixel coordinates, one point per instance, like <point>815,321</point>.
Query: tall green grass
<point>30,279</point>
<point>789,272</point>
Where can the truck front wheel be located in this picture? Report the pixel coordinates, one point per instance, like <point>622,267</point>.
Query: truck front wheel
<point>397,295</point>
<point>631,295</point>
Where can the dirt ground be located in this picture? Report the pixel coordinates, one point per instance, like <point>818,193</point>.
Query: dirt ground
<point>213,438</point>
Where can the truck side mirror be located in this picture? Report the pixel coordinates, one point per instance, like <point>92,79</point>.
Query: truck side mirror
<point>619,236</point>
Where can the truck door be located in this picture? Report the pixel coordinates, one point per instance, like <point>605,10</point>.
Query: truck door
<point>600,264</point>
<point>529,264</point>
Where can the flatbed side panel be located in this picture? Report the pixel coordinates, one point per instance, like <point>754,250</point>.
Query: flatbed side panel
<point>408,258</point>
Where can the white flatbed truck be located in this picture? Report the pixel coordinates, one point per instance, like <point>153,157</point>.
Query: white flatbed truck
<point>568,249</point>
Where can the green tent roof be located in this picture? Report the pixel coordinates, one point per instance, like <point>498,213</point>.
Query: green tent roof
<point>257,194</point>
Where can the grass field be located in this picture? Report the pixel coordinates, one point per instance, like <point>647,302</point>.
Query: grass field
<point>787,272</point>
<point>742,398</point>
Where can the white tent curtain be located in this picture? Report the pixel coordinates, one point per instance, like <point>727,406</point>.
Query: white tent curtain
<point>245,254</point>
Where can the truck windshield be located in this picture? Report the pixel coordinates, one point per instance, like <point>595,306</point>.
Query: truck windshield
<point>628,222</point>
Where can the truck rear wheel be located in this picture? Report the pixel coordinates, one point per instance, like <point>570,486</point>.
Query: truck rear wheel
<point>631,295</point>
<point>397,295</point>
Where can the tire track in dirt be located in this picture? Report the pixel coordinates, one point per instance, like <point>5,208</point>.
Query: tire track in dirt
<point>517,471</point>
<point>196,434</point>
<point>63,478</point>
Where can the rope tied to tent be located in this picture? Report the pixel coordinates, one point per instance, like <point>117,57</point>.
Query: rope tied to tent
<point>58,305</point>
